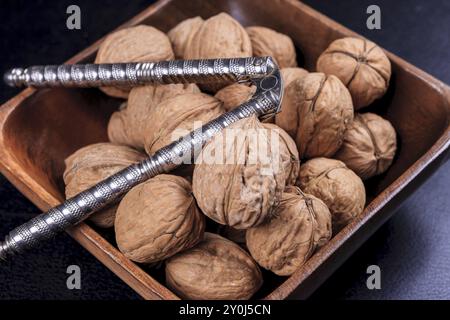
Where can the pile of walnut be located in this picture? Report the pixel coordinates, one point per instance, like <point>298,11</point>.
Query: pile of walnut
<point>213,224</point>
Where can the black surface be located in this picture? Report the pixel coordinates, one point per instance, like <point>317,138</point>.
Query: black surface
<point>412,249</point>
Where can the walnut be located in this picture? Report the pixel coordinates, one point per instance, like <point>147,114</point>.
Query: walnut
<point>220,36</point>
<point>336,185</point>
<point>177,116</point>
<point>361,65</point>
<point>157,219</point>
<point>316,110</point>
<point>127,125</point>
<point>290,74</point>
<point>92,164</point>
<point>134,44</point>
<point>215,269</point>
<point>182,33</point>
<point>369,145</point>
<point>268,42</point>
<point>301,225</point>
<point>238,177</point>
<point>234,95</point>
<point>290,161</point>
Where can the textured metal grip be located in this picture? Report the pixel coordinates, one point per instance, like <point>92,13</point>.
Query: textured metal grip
<point>74,210</point>
<point>132,74</point>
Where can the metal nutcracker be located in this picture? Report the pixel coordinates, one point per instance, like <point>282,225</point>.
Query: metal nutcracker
<point>259,71</point>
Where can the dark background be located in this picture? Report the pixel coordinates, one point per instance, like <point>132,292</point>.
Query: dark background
<point>412,249</point>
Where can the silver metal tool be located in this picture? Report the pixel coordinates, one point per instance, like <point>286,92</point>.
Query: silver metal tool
<point>259,71</point>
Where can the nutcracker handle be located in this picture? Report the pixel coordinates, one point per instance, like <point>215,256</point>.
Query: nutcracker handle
<point>266,101</point>
<point>141,73</point>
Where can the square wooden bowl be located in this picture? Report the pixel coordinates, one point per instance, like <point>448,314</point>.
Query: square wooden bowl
<point>40,128</point>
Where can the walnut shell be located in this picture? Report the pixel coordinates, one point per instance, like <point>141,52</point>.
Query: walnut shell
<point>157,219</point>
<point>301,225</point>
<point>220,36</point>
<point>288,152</point>
<point>177,116</point>
<point>127,125</point>
<point>316,110</point>
<point>238,177</point>
<point>290,74</point>
<point>92,164</point>
<point>215,269</point>
<point>182,33</point>
<point>234,95</point>
<point>336,185</point>
<point>361,65</point>
<point>369,145</point>
<point>134,44</point>
<point>268,42</point>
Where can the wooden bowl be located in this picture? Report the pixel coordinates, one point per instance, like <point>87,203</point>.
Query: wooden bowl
<point>40,128</point>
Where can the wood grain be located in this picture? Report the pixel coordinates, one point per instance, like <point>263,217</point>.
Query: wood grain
<point>38,129</point>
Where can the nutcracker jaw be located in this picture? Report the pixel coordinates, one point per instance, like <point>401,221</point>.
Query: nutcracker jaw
<point>272,86</point>
<point>266,102</point>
